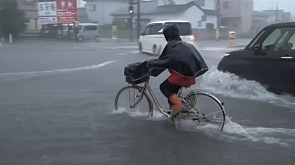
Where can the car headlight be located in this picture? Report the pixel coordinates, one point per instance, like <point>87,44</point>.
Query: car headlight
<point>222,58</point>
<point>226,54</point>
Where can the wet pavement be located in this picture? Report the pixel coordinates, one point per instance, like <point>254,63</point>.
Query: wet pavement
<point>56,105</point>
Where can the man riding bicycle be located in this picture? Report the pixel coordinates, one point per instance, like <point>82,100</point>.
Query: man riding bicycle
<point>184,63</point>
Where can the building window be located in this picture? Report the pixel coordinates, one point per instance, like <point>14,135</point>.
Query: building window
<point>92,7</point>
<point>199,23</point>
<point>29,1</point>
<point>247,5</point>
<point>227,5</point>
<point>204,18</point>
<point>200,2</point>
<point>209,26</point>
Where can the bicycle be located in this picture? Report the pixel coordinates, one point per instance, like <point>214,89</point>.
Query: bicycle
<point>139,94</point>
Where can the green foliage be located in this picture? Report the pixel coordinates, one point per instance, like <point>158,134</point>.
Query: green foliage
<point>121,23</point>
<point>12,20</point>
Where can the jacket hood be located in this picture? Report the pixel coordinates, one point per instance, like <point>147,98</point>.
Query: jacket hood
<point>171,33</point>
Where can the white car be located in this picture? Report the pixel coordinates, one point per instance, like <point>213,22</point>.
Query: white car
<point>88,31</point>
<point>152,40</point>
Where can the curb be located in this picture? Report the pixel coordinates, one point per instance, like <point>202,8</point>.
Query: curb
<point>236,45</point>
<point>101,40</point>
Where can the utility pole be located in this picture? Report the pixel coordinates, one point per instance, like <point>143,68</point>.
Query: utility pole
<point>218,13</point>
<point>131,11</point>
<point>277,11</point>
<point>1,31</point>
<point>218,19</point>
<point>138,19</point>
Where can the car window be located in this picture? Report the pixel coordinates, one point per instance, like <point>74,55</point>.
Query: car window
<point>283,39</point>
<point>272,38</point>
<point>291,42</point>
<point>253,42</point>
<point>184,27</point>
<point>154,29</point>
<point>90,27</point>
<point>280,39</point>
<point>66,27</point>
<point>80,27</point>
<point>147,30</point>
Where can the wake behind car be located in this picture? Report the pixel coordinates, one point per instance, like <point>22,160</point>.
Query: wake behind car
<point>268,59</point>
<point>152,40</point>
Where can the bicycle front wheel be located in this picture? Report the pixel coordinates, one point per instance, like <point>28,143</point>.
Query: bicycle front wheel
<point>133,100</point>
<point>206,109</point>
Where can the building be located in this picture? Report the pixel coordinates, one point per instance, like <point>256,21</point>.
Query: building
<point>99,10</point>
<point>82,15</point>
<point>277,15</point>
<point>31,14</point>
<point>236,15</point>
<point>265,17</point>
<point>201,18</point>
<point>200,12</point>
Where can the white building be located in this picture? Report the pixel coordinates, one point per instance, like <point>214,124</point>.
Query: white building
<point>201,13</point>
<point>99,10</point>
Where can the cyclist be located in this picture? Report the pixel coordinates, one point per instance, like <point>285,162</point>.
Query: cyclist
<point>184,63</point>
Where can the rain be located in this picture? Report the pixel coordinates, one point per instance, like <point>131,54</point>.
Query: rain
<point>63,64</point>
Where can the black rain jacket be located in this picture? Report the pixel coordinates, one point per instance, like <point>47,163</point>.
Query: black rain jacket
<point>177,55</point>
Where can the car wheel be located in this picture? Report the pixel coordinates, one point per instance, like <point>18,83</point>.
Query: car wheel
<point>155,50</point>
<point>96,38</point>
<point>140,48</point>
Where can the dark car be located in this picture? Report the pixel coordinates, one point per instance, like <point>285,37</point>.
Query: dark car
<point>268,59</point>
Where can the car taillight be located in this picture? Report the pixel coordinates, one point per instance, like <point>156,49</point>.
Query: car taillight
<point>192,37</point>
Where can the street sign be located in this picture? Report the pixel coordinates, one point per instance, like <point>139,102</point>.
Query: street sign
<point>47,20</point>
<point>66,11</point>
<point>47,12</point>
<point>57,11</point>
<point>47,8</point>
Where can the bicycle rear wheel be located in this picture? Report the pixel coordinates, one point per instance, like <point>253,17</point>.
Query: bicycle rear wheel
<point>205,109</point>
<point>132,100</point>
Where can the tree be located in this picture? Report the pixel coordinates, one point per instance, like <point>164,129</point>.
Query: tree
<point>12,20</point>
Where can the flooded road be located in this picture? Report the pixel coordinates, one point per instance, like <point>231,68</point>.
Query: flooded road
<point>57,108</point>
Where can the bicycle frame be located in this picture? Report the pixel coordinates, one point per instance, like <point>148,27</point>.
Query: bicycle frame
<point>191,111</point>
<point>146,87</point>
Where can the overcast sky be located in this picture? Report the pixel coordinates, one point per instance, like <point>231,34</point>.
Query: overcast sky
<point>286,5</point>
<point>81,3</point>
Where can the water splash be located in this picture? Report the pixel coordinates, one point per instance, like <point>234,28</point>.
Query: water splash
<point>233,131</point>
<point>232,86</point>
